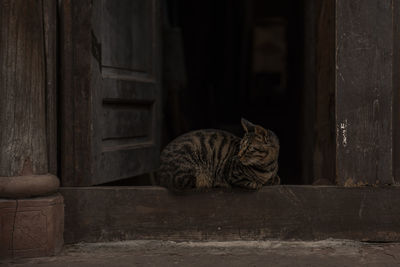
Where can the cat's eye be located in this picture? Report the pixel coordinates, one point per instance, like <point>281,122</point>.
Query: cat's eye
<point>243,142</point>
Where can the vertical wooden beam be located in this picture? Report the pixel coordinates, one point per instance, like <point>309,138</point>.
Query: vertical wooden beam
<point>324,146</point>
<point>75,94</point>
<point>396,91</point>
<point>32,226</point>
<point>22,88</point>
<point>364,89</point>
<point>50,38</point>
<point>357,92</point>
<point>27,89</point>
<point>309,92</point>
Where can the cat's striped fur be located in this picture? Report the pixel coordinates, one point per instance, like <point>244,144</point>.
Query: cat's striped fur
<point>215,158</point>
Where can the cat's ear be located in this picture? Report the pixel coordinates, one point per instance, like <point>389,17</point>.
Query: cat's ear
<point>248,126</point>
<point>260,131</point>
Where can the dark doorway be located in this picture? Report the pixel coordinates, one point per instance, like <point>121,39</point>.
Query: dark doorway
<point>239,58</point>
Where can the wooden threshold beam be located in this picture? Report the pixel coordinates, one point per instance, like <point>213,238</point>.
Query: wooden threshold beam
<point>278,212</point>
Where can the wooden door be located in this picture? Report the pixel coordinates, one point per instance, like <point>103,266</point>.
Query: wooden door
<point>111,94</point>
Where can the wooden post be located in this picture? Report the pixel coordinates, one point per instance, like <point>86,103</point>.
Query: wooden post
<point>396,91</point>
<point>364,90</point>
<point>28,130</point>
<point>356,92</point>
<point>324,146</point>
<point>309,93</point>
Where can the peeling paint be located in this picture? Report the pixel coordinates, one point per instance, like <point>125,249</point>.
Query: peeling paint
<point>343,129</point>
<point>350,182</point>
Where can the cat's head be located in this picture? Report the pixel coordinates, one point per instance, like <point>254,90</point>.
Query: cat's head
<point>258,146</point>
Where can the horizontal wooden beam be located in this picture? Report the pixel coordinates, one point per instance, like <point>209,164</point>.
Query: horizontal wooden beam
<point>284,212</point>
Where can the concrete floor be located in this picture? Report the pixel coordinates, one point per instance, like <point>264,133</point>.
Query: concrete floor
<point>238,253</point>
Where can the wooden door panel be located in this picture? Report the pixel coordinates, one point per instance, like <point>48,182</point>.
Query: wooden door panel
<point>123,163</point>
<point>121,48</point>
<point>121,117</point>
<point>126,120</point>
<point>126,55</point>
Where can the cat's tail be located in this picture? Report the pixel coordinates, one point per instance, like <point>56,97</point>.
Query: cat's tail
<point>275,180</point>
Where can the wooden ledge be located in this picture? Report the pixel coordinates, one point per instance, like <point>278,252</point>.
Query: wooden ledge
<point>279,212</point>
<point>28,186</point>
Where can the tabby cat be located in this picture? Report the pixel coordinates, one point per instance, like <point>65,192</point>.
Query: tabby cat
<point>215,158</point>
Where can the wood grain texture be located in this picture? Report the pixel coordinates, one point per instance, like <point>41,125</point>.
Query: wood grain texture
<point>75,93</point>
<point>356,93</point>
<point>50,34</point>
<point>23,149</point>
<point>121,48</point>
<point>324,144</point>
<point>31,227</point>
<point>396,91</point>
<point>364,85</point>
<point>282,212</point>
<point>111,91</point>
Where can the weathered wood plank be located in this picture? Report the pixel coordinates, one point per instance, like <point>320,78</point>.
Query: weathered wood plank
<point>75,93</point>
<point>50,35</point>
<point>364,62</point>
<point>23,149</point>
<point>285,212</point>
<point>396,91</point>
<point>356,92</point>
<point>324,144</point>
<point>110,88</point>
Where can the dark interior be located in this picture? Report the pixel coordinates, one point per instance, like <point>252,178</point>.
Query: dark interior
<point>239,58</point>
<point>228,59</point>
